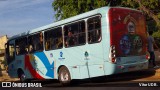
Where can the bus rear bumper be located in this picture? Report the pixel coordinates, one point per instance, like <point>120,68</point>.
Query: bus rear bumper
<point>131,67</point>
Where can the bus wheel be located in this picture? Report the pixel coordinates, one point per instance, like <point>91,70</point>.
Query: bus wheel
<point>64,76</point>
<point>22,76</point>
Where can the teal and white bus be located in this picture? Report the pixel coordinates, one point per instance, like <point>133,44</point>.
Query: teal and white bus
<point>101,42</point>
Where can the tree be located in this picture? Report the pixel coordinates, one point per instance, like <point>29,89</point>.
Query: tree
<point>151,8</point>
<point>67,8</point>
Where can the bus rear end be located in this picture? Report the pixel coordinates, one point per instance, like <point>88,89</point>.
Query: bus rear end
<point>128,40</point>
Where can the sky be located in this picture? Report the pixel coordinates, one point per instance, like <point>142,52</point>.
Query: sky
<point>18,16</point>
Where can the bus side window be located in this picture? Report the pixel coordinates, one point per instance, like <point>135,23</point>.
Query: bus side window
<point>58,38</point>
<point>40,43</point>
<point>48,39</point>
<point>53,39</point>
<point>75,34</point>
<point>35,42</point>
<point>70,39</point>
<point>94,29</point>
<point>30,44</point>
<point>81,34</point>
<point>21,46</point>
<point>10,52</point>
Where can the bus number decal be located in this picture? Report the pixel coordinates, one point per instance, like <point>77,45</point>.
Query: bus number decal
<point>61,56</point>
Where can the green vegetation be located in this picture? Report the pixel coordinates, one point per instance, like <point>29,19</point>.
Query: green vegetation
<point>68,8</point>
<point>150,8</point>
<point>156,36</point>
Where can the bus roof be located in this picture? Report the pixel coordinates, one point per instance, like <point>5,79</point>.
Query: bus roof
<point>101,10</point>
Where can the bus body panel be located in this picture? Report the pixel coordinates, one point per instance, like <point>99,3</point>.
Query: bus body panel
<point>12,70</point>
<point>95,60</point>
<point>34,66</point>
<point>20,64</point>
<point>75,60</point>
<point>68,58</point>
<point>129,66</point>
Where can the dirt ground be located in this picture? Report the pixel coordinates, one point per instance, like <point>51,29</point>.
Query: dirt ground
<point>4,77</point>
<point>156,76</point>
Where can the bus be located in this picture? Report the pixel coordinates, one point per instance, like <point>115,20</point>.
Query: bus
<point>101,42</point>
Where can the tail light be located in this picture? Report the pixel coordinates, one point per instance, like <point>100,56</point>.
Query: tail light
<point>147,55</point>
<point>112,54</point>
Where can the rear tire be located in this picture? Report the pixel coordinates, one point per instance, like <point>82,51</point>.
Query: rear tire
<point>64,76</point>
<point>22,76</point>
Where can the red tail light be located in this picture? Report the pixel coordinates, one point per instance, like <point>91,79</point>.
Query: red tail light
<point>113,60</point>
<point>147,56</point>
<point>112,54</point>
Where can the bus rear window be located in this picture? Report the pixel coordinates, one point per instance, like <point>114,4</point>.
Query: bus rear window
<point>127,32</point>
